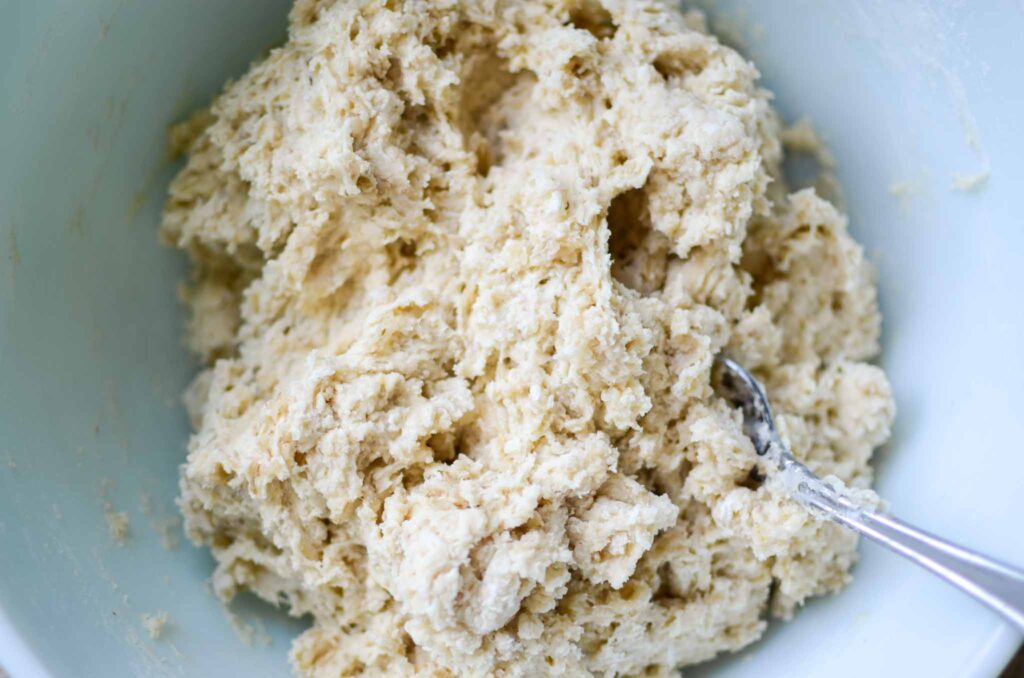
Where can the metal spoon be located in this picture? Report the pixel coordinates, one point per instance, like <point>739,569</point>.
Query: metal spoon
<point>999,586</point>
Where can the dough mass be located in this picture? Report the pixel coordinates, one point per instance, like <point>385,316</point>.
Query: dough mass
<point>460,271</point>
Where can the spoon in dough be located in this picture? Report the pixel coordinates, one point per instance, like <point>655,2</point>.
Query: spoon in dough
<point>999,586</point>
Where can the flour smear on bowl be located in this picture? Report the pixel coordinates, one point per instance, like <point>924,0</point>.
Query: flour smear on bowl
<point>459,273</point>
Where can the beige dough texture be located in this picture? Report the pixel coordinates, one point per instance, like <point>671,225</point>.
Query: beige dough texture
<point>460,271</point>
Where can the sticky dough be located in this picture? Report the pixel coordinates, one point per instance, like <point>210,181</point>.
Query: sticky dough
<point>460,271</point>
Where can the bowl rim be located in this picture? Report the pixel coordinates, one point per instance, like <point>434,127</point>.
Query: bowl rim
<point>989,659</point>
<point>992,656</point>
<point>16,657</point>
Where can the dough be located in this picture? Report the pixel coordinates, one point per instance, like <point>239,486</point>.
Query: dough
<point>155,624</point>
<point>460,271</point>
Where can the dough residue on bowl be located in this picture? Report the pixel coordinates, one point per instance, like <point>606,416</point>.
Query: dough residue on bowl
<point>460,272</point>
<point>155,623</point>
<point>117,526</point>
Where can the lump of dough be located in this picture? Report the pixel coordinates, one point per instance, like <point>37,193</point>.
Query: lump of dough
<point>617,526</point>
<point>460,270</point>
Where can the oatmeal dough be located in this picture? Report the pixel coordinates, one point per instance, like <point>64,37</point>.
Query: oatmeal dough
<point>460,271</point>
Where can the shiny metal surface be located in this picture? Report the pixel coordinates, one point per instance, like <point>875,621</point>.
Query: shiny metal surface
<point>998,585</point>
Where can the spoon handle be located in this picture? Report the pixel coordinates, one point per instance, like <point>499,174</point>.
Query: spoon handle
<point>996,584</point>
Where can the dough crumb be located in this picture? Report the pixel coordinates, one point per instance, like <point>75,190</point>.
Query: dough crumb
<point>118,522</point>
<point>166,527</point>
<point>118,526</point>
<point>970,182</point>
<point>250,632</point>
<point>168,530</point>
<point>802,139</point>
<point>904,191</point>
<point>156,624</point>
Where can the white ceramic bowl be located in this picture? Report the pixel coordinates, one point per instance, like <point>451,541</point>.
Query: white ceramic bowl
<point>907,94</point>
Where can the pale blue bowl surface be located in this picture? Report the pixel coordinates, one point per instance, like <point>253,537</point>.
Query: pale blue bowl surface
<point>91,365</point>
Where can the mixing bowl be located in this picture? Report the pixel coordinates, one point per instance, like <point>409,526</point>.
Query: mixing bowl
<point>909,96</point>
